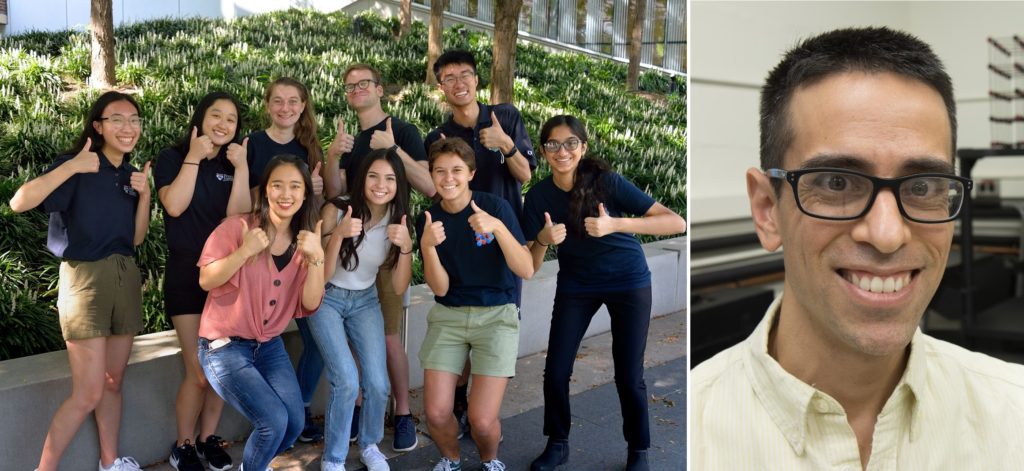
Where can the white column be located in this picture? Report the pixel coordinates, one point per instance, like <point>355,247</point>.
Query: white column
<point>567,21</point>
<point>675,34</point>
<point>620,27</point>
<point>539,20</point>
<point>647,51</point>
<point>595,19</point>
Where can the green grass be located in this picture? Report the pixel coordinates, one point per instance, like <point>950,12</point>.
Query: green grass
<point>170,64</point>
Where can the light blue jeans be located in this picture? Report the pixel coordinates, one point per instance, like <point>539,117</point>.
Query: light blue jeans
<point>258,380</point>
<point>352,318</point>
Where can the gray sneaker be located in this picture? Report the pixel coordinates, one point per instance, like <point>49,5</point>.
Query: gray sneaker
<point>494,465</point>
<point>448,465</point>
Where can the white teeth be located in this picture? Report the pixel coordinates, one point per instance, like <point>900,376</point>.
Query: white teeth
<point>877,284</point>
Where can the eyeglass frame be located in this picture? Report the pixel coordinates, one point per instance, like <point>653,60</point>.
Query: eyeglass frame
<point>877,184</point>
<point>351,87</point>
<point>135,122</point>
<point>563,145</point>
<point>464,77</point>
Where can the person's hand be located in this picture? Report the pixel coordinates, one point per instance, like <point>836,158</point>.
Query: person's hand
<point>86,161</point>
<point>399,236</point>
<point>349,226</point>
<point>199,147</point>
<point>238,154</point>
<point>494,137</point>
<point>318,180</point>
<point>433,232</point>
<point>140,182</point>
<point>343,142</point>
<point>254,241</point>
<point>551,234</point>
<point>308,243</point>
<point>383,139</point>
<point>482,222</point>
<point>600,226</point>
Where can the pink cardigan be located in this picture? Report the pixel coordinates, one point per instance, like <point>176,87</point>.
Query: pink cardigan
<point>257,301</point>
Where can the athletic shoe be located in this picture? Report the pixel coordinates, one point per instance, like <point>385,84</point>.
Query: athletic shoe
<point>311,432</point>
<point>636,460</point>
<point>405,433</point>
<point>556,453</point>
<point>212,450</point>
<point>126,463</point>
<point>494,465</point>
<point>448,465</point>
<point>355,425</point>
<point>374,459</point>
<point>184,457</point>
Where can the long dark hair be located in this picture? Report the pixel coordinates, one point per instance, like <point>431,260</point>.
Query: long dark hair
<point>307,216</point>
<point>356,198</point>
<point>305,128</point>
<point>588,186</point>
<point>96,115</point>
<point>200,115</point>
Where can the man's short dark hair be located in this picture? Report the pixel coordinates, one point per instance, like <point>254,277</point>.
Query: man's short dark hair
<point>455,56</point>
<point>870,50</point>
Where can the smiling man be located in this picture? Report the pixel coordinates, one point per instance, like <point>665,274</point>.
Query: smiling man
<point>858,132</point>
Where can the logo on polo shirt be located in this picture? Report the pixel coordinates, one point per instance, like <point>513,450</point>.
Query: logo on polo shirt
<point>130,191</point>
<point>483,239</point>
<point>225,177</point>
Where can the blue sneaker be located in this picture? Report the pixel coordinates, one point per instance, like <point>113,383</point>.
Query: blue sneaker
<point>405,433</point>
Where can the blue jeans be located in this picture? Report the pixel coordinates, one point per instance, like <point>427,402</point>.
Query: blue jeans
<point>258,380</point>
<point>352,317</point>
<point>311,364</point>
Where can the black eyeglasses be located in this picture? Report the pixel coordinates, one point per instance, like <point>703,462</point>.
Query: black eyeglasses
<point>570,144</point>
<point>842,195</point>
<point>463,77</point>
<point>362,84</point>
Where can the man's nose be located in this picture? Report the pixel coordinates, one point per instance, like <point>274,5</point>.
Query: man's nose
<point>884,227</point>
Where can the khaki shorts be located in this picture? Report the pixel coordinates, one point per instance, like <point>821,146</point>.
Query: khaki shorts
<point>390,303</point>
<point>100,298</point>
<point>490,334</point>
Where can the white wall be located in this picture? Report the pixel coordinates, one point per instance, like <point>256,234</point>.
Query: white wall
<point>733,45</point>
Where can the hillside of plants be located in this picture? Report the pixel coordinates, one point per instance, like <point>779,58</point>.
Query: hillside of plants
<point>170,64</point>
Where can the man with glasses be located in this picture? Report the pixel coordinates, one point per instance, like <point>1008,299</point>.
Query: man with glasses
<point>858,132</point>
<point>378,130</point>
<point>504,156</point>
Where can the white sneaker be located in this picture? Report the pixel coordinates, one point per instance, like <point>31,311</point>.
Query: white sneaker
<point>126,463</point>
<point>494,465</point>
<point>448,465</point>
<point>374,459</point>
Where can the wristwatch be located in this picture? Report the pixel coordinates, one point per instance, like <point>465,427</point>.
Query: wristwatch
<point>510,153</point>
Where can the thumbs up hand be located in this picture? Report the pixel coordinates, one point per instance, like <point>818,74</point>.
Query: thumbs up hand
<point>601,225</point>
<point>254,240</point>
<point>140,181</point>
<point>238,154</point>
<point>481,222</point>
<point>551,234</point>
<point>86,161</point>
<point>199,147</point>
<point>383,139</point>
<point>349,226</point>
<point>399,236</point>
<point>433,232</point>
<point>343,142</point>
<point>494,137</point>
<point>318,180</point>
<point>309,243</point>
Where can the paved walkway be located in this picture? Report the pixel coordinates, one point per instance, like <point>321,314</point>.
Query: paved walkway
<point>596,441</point>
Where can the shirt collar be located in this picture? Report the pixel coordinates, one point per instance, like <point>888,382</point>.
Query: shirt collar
<point>790,402</point>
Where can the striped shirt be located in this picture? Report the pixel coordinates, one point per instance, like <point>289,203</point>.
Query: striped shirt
<point>952,409</point>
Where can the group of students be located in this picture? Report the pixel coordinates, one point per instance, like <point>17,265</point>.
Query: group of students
<point>264,229</point>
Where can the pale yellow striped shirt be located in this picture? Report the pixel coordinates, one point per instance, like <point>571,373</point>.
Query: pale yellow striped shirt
<point>952,409</point>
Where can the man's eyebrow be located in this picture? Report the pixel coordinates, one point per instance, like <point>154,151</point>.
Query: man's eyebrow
<point>927,165</point>
<point>922,164</point>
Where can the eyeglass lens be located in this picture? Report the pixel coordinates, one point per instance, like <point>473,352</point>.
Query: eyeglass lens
<point>844,195</point>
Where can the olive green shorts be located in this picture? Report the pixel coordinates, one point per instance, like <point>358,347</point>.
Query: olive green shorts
<point>390,303</point>
<point>489,334</point>
<point>100,298</point>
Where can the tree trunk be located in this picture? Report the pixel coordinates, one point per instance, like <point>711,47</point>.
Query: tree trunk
<point>101,22</point>
<point>636,33</point>
<point>405,18</point>
<point>434,37</point>
<point>506,30</point>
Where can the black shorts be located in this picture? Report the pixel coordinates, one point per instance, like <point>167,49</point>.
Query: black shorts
<point>182,294</point>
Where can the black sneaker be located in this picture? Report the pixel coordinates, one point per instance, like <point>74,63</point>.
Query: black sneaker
<point>354,435</point>
<point>405,433</point>
<point>212,450</point>
<point>184,458</point>
<point>555,454</point>
<point>311,432</point>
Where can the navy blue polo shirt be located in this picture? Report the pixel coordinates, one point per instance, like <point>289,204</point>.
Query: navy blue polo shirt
<point>477,272</point>
<point>187,233</point>
<point>92,215</point>
<point>492,173</point>
<point>407,136</point>
<point>262,148</point>
<point>615,262</point>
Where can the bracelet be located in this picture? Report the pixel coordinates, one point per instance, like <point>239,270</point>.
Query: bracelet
<point>543,244</point>
<point>512,152</point>
<point>191,163</point>
<point>316,263</point>
<point>404,253</point>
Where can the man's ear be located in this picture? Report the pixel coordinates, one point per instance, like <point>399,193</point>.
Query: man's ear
<point>764,209</point>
